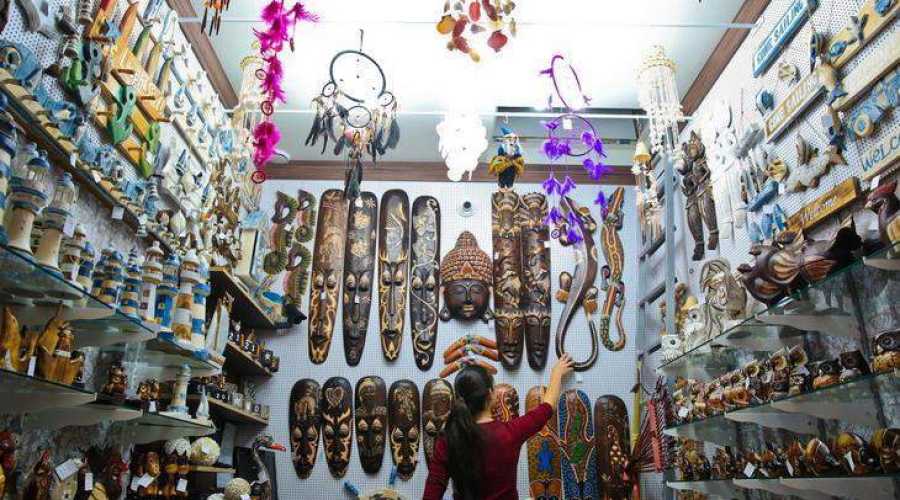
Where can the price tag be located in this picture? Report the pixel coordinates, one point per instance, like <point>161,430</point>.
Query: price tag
<point>135,482</point>
<point>780,188</point>
<point>32,364</point>
<point>69,227</point>
<point>356,299</point>
<point>790,468</point>
<point>875,181</point>
<point>749,470</point>
<point>73,159</point>
<point>182,485</point>
<point>146,480</point>
<point>88,482</point>
<point>245,497</point>
<point>567,123</point>
<point>764,472</point>
<point>205,448</point>
<point>152,407</point>
<point>66,469</point>
<point>358,202</point>
<point>683,412</point>
<point>547,244</point>
<point>118,212</point>
<point>578,378</point>
<point>849,458</point>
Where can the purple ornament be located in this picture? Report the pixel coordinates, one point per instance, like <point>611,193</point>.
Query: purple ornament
<point>551,185</point>
<point>567,186</point>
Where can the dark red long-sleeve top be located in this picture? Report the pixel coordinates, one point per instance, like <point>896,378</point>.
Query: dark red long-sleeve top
<point>501,456</point>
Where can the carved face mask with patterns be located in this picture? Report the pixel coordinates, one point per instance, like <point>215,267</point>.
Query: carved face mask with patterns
<point>437,401</point>
<point>536,298</point>
<point>337,421</point>
<point>393,268</point>
<point>305,424</point>
<point>371,422</point>
<point>505,403</point>
<point>465,281</point>
<point>403,400</point>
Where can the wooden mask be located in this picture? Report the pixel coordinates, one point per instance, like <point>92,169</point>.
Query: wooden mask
<point>371,422</point>
<point>613,444</point>
<point>576,434</point>
<point>328,258</point>
<point>535,278</point>
<point>403,406</point>
<point>437,401</point>
<point>359,267</point>
<point>505,403</point>
<point>393,267</point>
<point>337,423</point>
<point>544,480</point>
<point>304,420</point>
<point>424,278</point>
<point>509,320</point>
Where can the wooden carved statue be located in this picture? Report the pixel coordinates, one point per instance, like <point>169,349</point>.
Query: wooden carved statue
<point>726,298</point>
<point>578,291</point>
<point>505,403</point>
<point>7,461</point>
<point>328,257</point>
<point>577,446</point>
<point>16,348</point>
<point>613,445</point>
<point>612,271</point>
<point>56,360</point>
<point>393,268</point>
<point>296,278</point>
<point>38,480</point>
<point>885,204</point>
<point>544,479</point>
<point>405,429</point>
<point>509,321</point>
<point>337,424</point>
<point>886,443</point>
<point>371,422</point>
<point>695,185</point>
<point>437,401</point>
<point>116,382</point>
<point>466,281</point>
<point>359,268</point>
<point>305,422</point>
<point>535,278</point>
<point>424,275</point>
<point>886,348</point>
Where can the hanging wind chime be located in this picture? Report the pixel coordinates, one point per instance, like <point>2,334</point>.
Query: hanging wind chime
<point>464,21</point>
<point>217,7</point>
<point>356,112</point>
<point>570,135</point>
<point>280,23</point>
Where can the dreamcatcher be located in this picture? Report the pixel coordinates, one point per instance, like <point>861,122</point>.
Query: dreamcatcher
<point>356,112</point>
<point>217,7</point>
<point>570,135</point>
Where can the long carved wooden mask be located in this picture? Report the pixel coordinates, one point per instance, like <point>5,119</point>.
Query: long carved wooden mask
<point>613,443</point>
<point>544,480</point>
<point>403,407</point>
<point>424,275</point>
<point>393,267</point>
<point>359,267</point>
<point>437,401</point>
<point>328,259</point>
<point>509,321</point>
<point>304,422</point>
<point>576,433</point>
<point>505,404</point>
<point>371,422</point>
<point>535,278</point>
<point>337,424</point>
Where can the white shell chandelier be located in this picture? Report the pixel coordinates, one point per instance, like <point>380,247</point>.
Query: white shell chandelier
<point>462,140</point>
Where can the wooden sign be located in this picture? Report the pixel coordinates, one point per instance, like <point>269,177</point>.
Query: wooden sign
<point>873,17</point>
<point>815,212</point>
<point>782,33</point>
<point>881,158</point>
<point>877,64</point>
<point>799,98</point>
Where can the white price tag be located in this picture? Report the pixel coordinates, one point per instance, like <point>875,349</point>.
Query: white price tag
<point>358,203</point>
<point>683,412</point>
<point>547,244</point>
<point>66,469</point>
<point>790,468</point>
<point>567,123</point>
<point>749,470</point>
<point>578,378</point>
<point>849,458</point>
<point>182,485</point>
<point>32,365</point>
<point>780,188</point>
<point>764,472</point>
<point>152,407</point>
<point>88,482</point>
<point>875,181</point>
<point>69,227</point>
<point>146,480</point>
<point>356,299</point>
<point>135,482</point>
<point>73,159</point>
<point>118,212</point>
<point>245,497</point>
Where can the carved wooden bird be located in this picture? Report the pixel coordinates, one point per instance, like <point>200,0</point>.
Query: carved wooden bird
<point>885,204</point>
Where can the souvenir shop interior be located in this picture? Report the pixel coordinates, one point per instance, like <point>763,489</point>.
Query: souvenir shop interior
<point>281,249</point>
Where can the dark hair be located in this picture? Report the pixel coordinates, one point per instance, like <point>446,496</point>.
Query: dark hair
<point>464,440</point>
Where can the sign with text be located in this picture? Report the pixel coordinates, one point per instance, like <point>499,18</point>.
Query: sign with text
<point>873,16</point>
<point>829,203</point>
<point>881,157</point>
<point>797,100</point>
<point>785,29</point>
<point>877,64</point>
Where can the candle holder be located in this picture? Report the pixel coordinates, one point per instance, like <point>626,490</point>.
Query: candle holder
<point>181,322</point>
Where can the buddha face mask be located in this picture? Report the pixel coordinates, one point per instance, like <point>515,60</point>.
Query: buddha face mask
<point>337,419</point>
<point>371,422</point>
<point>403,399</point>
<point>437,401</point>
<point>465,281</point>
<point>305,422</point>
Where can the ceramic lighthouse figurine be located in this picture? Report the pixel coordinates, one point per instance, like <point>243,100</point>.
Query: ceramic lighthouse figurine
<point>131,295</point>
<point>198,308</point>
<point>26,197</point>
<point>153,276</point>
<point>54,219</point>
<point>86,266</point>
<point>8,141</point>
<point>70,260</point>
<point>113,279</point>
<point>182,319</point>
<point>165,293</point>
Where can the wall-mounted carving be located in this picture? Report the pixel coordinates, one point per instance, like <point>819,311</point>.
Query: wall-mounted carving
<point>509,323</point>
<point>536,278</point>
<point>328,258</point>
<point>424,278</point>
<point>393,269</point>
<point>359,269</point>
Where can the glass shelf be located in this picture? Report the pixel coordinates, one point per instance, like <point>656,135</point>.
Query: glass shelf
<point>246,308</point>
<point>23,394</point>
<point>89,414</point>
<point>870,487</point>
<point>151,427</point>
<point>162,358</point>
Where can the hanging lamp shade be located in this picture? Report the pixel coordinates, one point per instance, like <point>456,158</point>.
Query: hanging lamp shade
<point>641,153</point>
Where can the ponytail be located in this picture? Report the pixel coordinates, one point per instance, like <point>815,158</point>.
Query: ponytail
<point>465,442</point>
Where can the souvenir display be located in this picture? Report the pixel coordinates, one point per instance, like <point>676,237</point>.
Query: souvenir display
<point>38,480</point>
<point>7,461</point>
<point>305,424</point>
<point>437,402</point>
<point>505,403</point>
<point>614,254</point>
<point>535,277</point>
<point>578,291</point>
<point>466,281</point>
<point>53,220</point>
<point>371,417</point>
<point>577,446</point>
<point>883,201</point>
<point>393,269</point>
<point>424,275</point>
<point>886,348</point>
<point>337,429</point>
<point>57,360</point>
<point>359,267</point>
<point>613,444</point>
<point>26,196</point>
<point>509,318</point>
<point>328,258</point>
<point>405,427</point>
<point>700,207</point>
<point>544,479</point>
<point>478,18</point>
<point>17,344</point>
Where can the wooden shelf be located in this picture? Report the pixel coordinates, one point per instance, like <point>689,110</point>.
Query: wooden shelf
<point>229,412</point>
<point>240,362</point>
<point>245,309</point>
<point>212,470</point>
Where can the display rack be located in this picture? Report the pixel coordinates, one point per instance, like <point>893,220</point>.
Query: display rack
<point>246,308</point>
<point>21,393</point>
<point>152,427</point>
<point>240,362</point>
<point>874,487</point>
<point>230,413</point>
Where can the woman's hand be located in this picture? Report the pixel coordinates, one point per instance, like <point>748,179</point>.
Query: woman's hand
<point>562,368</point>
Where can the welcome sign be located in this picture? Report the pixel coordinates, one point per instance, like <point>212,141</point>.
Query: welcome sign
<point>882,155</point>
<point>785,29</point>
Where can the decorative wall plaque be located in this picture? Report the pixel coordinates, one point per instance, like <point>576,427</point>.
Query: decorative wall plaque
<point>305,422</point>
<point>877,106</point>
<point>328,258</point>
<point>509,323</point>
<point>873,16</point>
<point>536,278</point>
<point>403,407</point>
<point>613,444</point>
<point>393,268</point>
<point>505,403</point>
<point>424,276</point>
<point>829,203</point>
<point>785,29</point>
<point>579,457</point>
<point>371,422</point>
<point>880,157</point>
<point>359,267</point>
<point>544,479</point>
<point>877,64</point>
<point>337,424</point>
<point>614,254</point>
<point>797,100</point>
<point>437,401</point>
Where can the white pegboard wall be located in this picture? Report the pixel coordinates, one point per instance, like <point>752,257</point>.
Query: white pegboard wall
<point>614,372</point>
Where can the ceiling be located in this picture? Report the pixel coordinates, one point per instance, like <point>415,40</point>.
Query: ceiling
<point>604,41</point>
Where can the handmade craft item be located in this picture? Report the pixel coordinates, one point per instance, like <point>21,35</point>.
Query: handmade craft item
<point>463,20</point>
<point>726,299</point>
<point>819,458</point>
<point>328,258</point>
<point>437,402</point>
<point>614,254</point>
<point>8,145</point>
<point>886,349</point>
<point>811,165</point>
<point>53,219</point>
<point>466,281</point>
<point>393,269</point>
<point>885,442</point>
<point>535,277</point>
<point>885,204</point>
<point>7,461</point>
<point>405,427</point>
<point>472,349</point>
<point>371,417</point>
<point>577,446</point>
<point>544,479</point>
<point>578,291</point>
<point>131,292</point>
<point>178,406</point>
<point>359,267</point>
<point>468,360</point>
<point>56,359</point>
<point>509,322</point>
<point>424,276</point>
<point>613,444</point>
<point>39,478</point>
<point>857,457</point>
<point>505,403</point>
<point>508,164</point>
<point>853,365</point>
<point>26,197</point>
<point>16,348</point>
<point>116,382</point>
<point>304,422</point>
<point>299,257</point>
<point>462,140</point>
<point>182,319</point>
<point>337,420</point>
<point>700,206</point>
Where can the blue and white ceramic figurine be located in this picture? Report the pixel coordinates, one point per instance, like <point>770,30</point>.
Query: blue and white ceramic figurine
<point>54,220</point>
<point>27,197</point>
<point>86,266</point>
<point>99,272</point>
<point>113,279</point>
<point>8,140</point>
<point>165,293</point>
<point>198,308</point>
<point>182,318</point>
<point>131,295</point>
<point>153,276</point>
<point>70,259</point>
<point>178,407</point>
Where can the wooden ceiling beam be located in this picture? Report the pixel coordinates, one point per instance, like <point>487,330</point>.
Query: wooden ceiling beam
<point>722,55</point>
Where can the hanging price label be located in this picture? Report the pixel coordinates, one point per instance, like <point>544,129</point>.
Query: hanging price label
<point>182,485</point>
<point>118,212</point>
<point>88,482</point>
<point>683,412</point>
<point>790,468</point>
<point>32,364</point>
<point>66,469</point>
<point>135,483</point>
<point>849,458</point>
<point>749,470</point>
<point>146,480</point>
<point>152,407</point>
